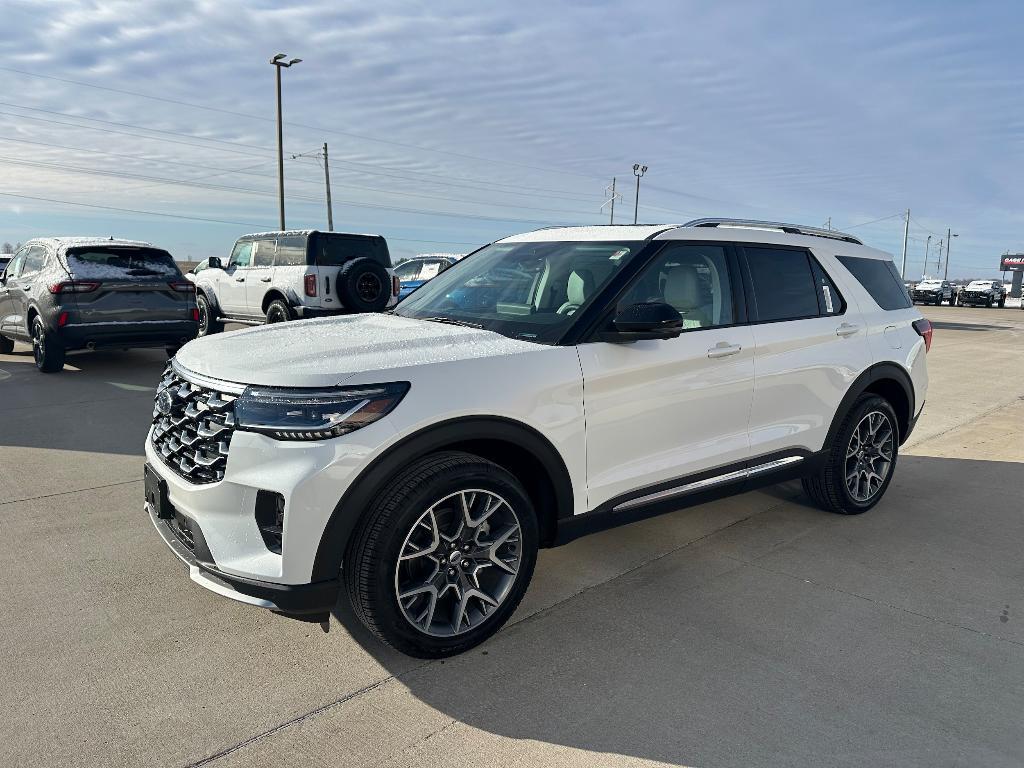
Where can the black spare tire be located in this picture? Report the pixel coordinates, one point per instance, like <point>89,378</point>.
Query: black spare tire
<point>364,285</point>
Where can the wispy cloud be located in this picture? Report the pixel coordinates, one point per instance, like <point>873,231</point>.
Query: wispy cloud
<point>489,117</point>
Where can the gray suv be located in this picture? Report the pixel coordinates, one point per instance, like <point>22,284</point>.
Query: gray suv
<point>62,294</point>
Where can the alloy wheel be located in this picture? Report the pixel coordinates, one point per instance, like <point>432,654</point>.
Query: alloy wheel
<point>458,562</point>
<point>204,319</point>
<point>38,344</point>
<point>869,456</point>
<point>275,315</point>
<point>368,287</point>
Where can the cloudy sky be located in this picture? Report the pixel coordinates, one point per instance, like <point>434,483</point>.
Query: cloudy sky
<point>452,123</point>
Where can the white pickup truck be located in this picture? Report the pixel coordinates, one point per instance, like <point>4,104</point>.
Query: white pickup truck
<point>272,277</point>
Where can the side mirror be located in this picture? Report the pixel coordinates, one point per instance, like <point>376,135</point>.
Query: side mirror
<point>649,320</point>
<point>216,263</point>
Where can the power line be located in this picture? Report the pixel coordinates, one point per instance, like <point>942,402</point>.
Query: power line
<point>873,221</point>
<point>199,218</point>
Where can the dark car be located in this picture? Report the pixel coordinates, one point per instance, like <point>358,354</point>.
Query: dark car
<point>62,294</point>
<point>983,293</point>
<point>418,270</point>
<point>933,292</point>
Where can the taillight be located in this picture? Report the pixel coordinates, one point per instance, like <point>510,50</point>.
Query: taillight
<point>396,285</point>
<point>75,286</point>
<point>195,314</point>
<point>184,286</point>
<point>924,330</point>
<point>62,319</point>
<point>310,285</point>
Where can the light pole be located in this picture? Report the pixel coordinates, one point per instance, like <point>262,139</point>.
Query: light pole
<point>638,171</point>
<point>927,243</point>
<point>278,62</point>
<point>950,234</point>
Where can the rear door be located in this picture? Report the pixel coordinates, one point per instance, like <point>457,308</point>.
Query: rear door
<point>131,285</point>
<point>810,346</point>
<point>260,275</point>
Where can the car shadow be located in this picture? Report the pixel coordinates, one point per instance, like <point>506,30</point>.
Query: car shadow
<point>946,325</point>
<point>792,637</point>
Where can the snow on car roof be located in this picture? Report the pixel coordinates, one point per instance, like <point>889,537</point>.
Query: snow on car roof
<point>603,233</point>
<point>302,232</point>
<point>61,244</point>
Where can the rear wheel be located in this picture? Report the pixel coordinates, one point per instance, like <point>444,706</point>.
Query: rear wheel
<point>444,556</point>
<point>278,312</point>
<point>6,346</point>
<point>861,461</point>
<point>47,350</point>
<point>208,322</point>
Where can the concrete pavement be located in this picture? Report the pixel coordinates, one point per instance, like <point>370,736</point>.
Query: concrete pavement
<point>752,630</point>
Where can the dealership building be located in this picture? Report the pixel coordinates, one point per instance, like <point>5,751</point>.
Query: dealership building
<point>1013,262</point>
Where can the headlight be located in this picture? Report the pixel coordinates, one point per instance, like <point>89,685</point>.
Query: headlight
<point>315,414</point>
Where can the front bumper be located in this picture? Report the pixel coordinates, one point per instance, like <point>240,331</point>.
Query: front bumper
<point>186,540</point>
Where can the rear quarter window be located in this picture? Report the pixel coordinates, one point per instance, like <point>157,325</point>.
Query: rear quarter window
<point>880,279</point>
<point>331,250</point>
<point>115,263</point>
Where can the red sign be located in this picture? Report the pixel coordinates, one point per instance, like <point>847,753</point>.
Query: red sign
<point>1012,263</point>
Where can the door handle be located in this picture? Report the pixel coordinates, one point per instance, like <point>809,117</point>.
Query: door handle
<point>239,279</point>
<point>264,279</point>
<point>724,349</point>
<point>846,329</point>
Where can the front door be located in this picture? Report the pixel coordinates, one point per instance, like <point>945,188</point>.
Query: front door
<point>231,292</point>
<point>260,275</point>
<point>658,411</point>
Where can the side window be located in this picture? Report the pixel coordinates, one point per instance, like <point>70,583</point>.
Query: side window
<point>830,301</point>
<point>880,279</point>
<point>241,256</point>
<point>410,270</point>
<point>14,268</point>
<point>264,253</point>
<point>33,260</point>
<point>291,251</point>
<point>784,284</point>
<point>694,279</point>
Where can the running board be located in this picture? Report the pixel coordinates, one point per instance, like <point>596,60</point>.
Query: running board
<point>709,482</point>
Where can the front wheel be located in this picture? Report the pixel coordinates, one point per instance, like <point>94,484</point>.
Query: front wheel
<point>443,557</point>
<point>1002,302</point>
<point>861,461</point>
<point>208,322</point>
<point>6,345</point>
<point>47,350</point>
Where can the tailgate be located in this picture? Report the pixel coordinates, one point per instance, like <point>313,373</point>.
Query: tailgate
<point>134,301</point>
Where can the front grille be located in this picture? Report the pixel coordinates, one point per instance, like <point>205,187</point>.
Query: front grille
<point>192,427</point>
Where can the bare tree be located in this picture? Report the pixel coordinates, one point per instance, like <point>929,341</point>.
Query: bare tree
<point>6,248</point>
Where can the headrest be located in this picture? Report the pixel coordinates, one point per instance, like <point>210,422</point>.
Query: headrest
<point>579,287</point>
<point>682,288</point>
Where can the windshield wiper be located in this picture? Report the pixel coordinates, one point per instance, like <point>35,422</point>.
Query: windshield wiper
<point>452,321</point>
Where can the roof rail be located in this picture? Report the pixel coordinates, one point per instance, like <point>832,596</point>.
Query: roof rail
<point>791,229</point>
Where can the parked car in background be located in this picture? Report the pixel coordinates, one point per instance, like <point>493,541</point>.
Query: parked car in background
<point>983,293</point>
<point>933,292</point>
<point>289,465</point>
<point>199,267</point>
<point>62,294</point>
<point>277,276</point>
<point>5,259</point>
<point>416,271</point>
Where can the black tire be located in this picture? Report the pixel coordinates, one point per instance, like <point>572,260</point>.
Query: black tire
<point>372,565</point>
<point>363,285</point>
<point>988,302</point>
<point>828,488</point>
<point>1002,302</point>
<point>6,346</point>
<point>279,312</point>
<point>47,350</point>
<point>938,300</point>
<point>208,321</point>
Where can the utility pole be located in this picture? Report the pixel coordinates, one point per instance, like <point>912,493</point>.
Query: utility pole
<point>938,259</point>
<point>950,234</point>
<point>927,243</point>
<point>638,171</point>
<point>610,190</point>
<point>828,224</point>
<point>278,62</point>
<point>906,235</point>
<point>327,181</point>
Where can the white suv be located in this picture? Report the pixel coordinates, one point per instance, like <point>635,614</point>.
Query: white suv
<point>551,384</point>
<point>272,277</point>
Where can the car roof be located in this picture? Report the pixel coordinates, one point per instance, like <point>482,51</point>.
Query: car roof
<point>726,230</point>
<point>302,233</point>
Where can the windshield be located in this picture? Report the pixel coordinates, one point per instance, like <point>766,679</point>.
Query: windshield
<point>979,284</point>
<point>523,290</point>
<point>111,263</point>
<point>930,283</point>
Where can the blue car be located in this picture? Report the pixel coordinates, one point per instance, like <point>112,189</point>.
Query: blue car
<point>418,270</point>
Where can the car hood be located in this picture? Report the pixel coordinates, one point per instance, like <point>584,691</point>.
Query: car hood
<point>325,352</point>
